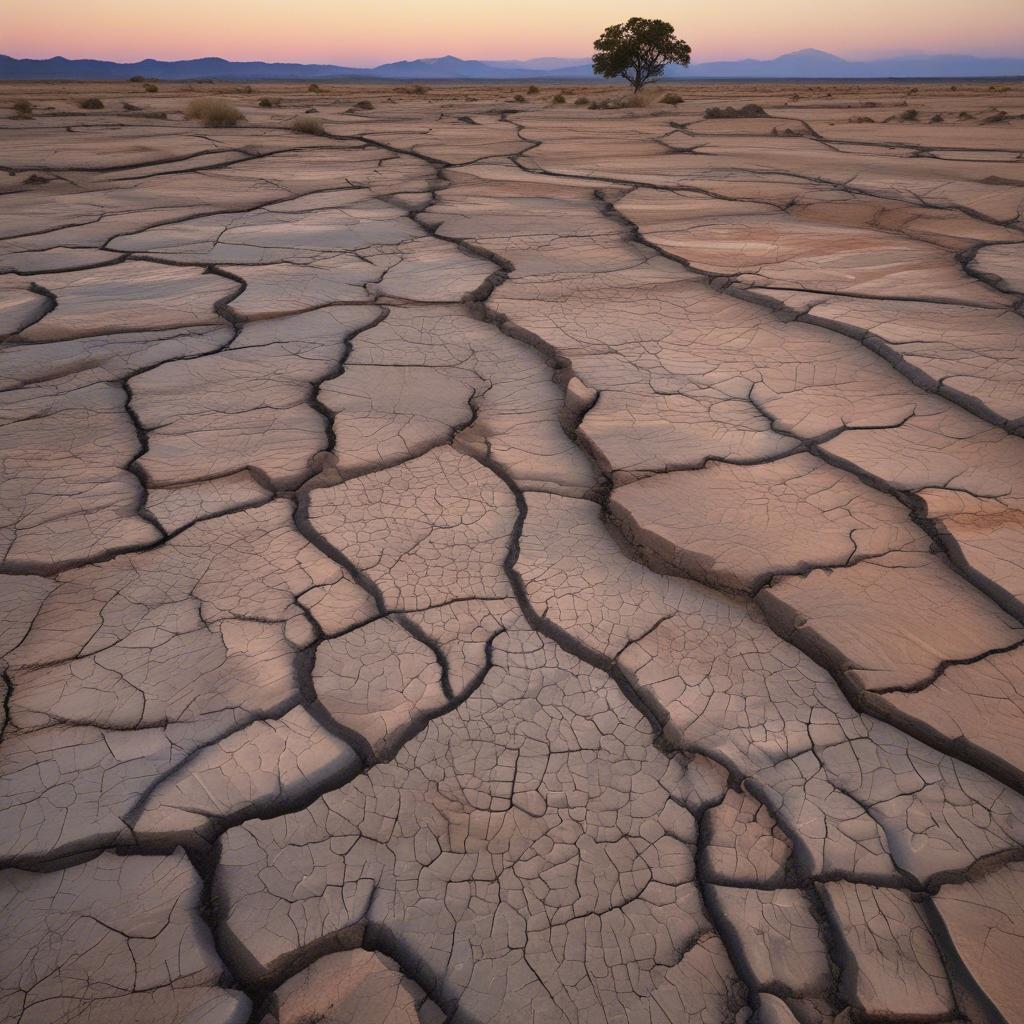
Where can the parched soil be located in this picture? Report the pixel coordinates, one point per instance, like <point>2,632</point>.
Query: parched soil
<point>505,562</point>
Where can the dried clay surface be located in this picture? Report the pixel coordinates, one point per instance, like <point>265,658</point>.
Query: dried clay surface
<point>509,561</point>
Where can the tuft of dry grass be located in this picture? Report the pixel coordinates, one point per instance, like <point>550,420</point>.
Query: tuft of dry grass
<point>22,109</point>
<point>533,90</point>
<point>92,103</point>
<point>214,112</point>
<point>672,98</point>
<point>749,110</point>
<point>581,101</point>
<point>631,100</point>
<point>558,98</point>
<point>308,125</point>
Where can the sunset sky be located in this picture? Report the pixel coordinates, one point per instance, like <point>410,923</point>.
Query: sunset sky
<point>364,34</point>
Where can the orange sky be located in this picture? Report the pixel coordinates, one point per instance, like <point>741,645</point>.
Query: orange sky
<point>363,34</point>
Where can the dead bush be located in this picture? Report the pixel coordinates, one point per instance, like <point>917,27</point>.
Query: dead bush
<point>22,109</point>
<point>92,103</point>
<point>150,87</point>
<point>533,90</point>
<point>363,105</point>
<point>214,112</point>
<point>672,98</point>
<point>308,125</point>
<point>581,101</point>
<point>558,98</point>
<point>748,110</point>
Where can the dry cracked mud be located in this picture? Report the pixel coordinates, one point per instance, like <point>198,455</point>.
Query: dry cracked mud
<point>505,562</point>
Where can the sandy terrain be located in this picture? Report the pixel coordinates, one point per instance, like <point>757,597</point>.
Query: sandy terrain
<point>507,562</point>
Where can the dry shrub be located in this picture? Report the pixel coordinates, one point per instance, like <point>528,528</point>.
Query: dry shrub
<point>313,87</point>
<point>363,105</point>
<point>214,112</point>
<point>558,98</point>
<point>937,119</point>
<point>137,78</point>
<point>672,98</point>
<point>632,100</point>
<point>581,101</point>
<point>92,103</point>
<point>150,87</point>
<point>749,110</point>
<point>519,98</point>
<point>909,115</point>
<point>308,125</point>
<point>22,109</point>
<point>266,101</point>
<point>533,90</point>
<point>130,107</point>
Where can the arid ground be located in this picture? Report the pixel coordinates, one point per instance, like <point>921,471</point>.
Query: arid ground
<point>508,562</point>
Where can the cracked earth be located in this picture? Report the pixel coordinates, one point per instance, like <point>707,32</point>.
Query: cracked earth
<point>508,563</point>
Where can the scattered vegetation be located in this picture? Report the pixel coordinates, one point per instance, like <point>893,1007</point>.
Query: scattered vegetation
<point>214,112</point>
<point>308,125</point>
<point>581,101</point>
<point>748,110</point>
<point>638,50</point>
<point>519,98</point>
<point>533,90</point>
<point>23,109</point>
<point>910,114</point>
<point>672,98</point>
<point>937,119</point>
<point>266,101</point>
<point>413,90</point>
<point>313,87</point>
<point>363,105</point>
<point>637,99</point>
<point>150,87</point>
<point>558,98</point>
<point>92,103</point>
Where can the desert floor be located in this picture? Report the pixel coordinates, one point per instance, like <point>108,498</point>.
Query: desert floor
<point>503,561</point>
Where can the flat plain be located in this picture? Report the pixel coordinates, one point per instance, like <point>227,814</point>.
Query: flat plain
<point>506,562</point>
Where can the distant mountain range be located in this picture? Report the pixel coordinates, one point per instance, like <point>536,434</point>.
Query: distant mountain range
<point>801,64</point>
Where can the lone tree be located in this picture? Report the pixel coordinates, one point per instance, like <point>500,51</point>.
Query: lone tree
<point>638,51</point>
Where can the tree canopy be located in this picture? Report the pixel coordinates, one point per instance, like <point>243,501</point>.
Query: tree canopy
<point>638,50</point>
